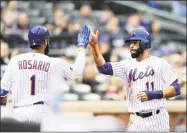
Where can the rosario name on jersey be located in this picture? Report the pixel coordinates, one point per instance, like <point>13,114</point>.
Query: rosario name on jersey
<point>150,74</point>
<point>28,77</point>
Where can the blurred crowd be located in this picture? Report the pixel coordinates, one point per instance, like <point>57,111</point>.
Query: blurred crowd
<point>177,7</point>
<point>113,29</point>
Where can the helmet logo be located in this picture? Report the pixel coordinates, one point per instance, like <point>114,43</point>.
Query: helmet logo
<point>34,43</point>
<point>131,34</point>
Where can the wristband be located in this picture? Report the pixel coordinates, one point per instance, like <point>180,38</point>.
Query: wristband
<point>177,87</point>
<point>158,94</point>
<point>4,93</point>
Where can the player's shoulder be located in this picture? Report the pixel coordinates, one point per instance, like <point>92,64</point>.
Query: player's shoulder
<point>17,57</point>
<point>160,61</point>
<point>57,60</point>
<point>156,58</point>
<point>128,60</point>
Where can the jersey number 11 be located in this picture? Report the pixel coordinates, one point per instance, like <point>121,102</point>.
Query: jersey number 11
<point>152,86</point>
<point>33,84</point>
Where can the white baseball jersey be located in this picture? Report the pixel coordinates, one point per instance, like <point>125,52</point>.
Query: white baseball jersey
<point>28,76</point>
<point>152,73</point>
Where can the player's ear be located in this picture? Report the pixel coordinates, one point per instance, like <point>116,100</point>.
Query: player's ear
<point>43,45</point>
<point>97,33</point>
<point>139,42</point>
<point>46,42</point>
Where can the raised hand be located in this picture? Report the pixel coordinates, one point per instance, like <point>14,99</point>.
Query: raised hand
<point>83,36</point>
<point>93,37</point>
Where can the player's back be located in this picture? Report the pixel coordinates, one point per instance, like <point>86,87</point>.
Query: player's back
<point>31,73</point>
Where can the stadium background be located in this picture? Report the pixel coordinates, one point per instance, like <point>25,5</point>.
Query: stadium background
<point>94,92</point>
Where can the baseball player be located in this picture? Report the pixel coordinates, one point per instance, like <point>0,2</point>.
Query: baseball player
<point>28,75</point>
<point>148,80</point>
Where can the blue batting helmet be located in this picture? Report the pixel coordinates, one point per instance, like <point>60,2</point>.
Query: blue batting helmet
<point>142,35</point>
<point>37,35</point>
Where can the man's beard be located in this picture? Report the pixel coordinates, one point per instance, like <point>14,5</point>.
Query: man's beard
<point>46,50</point>
<point>137,53</point>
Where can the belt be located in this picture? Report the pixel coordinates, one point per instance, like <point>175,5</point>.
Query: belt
<point>146,114</point>
<point>41,102</point>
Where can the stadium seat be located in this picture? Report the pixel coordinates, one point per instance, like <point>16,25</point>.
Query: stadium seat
<point>81,89</point>
<point>66,6</point>
<point>65,88</point>
<point>111,97</point>
<point>47,13</point>
<point>37,21</point>
<point>91,97</point>
<point>33,13</point>
<point>47,10</point>
<point>100,89</point>
<point>38,4</point>
<point>70,97</point>
<point>23,5</point>
<point>49,5</point>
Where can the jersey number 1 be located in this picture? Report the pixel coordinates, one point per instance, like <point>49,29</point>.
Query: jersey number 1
<point>152,85</point>
<point>33,83</point>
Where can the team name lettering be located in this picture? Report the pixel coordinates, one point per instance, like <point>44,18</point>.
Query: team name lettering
<point>30,64</point>
<point>133,72</point>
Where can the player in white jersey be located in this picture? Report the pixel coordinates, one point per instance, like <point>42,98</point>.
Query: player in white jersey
<point>148,80</point>
<point>28,75</point>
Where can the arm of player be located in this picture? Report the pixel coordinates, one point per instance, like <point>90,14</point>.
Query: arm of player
<point>83,39</point>
<point>4,93</point>
<point>102,66</point>
<point>79,64</point>
<point>98,58</point>
<point>107,68</point>
<point>3,98</point>
<point>170,78</point>
<point>6,83</point>
<point>172,90</point>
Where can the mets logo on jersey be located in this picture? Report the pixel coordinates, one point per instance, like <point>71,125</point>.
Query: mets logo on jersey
<point>135,75</point>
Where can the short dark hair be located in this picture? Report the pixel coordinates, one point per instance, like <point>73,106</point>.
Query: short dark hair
<point>36,47</point>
